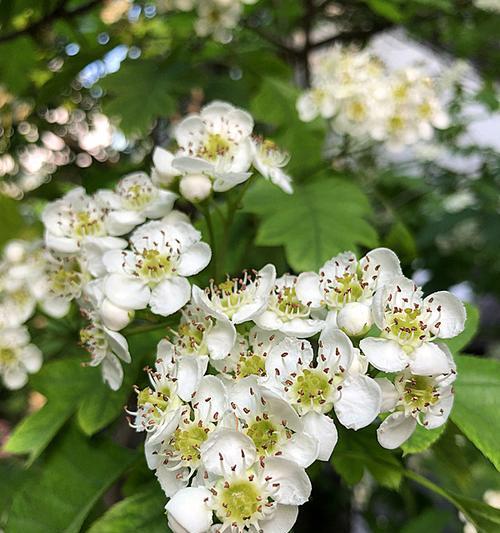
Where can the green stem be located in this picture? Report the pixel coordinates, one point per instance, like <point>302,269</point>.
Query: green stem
<point>211,233</point>
<point>232,207</point>
<point>145,328</point>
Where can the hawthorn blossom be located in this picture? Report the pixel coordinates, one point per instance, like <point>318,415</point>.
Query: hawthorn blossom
<point>412,400</point>
<point>216,142</point>
<point>200,334</point>
<point>163,173</point>
<point>106,348</point>
<point>76,219</point>
<point>345,287</point>
<point>269,160</point>
<point>177,457</point>
<point>134,200</point>
<point>409,325</point>
<point>248,354</point>
<point>153,272</point>
<point>286,313</point>
<point>241,493</point>
<point>313,386</point>
<point>238,299</point>
<point>18,357</point>
<point>195,187</point>
<point>273,425</point>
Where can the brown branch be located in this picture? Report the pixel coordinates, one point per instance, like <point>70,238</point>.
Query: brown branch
<point>59,12</point>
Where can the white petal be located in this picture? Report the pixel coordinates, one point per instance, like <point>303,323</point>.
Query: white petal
<point>118,344</point>
<point>32,358</point>
<point>63,245</point>
<point>438,414</point>
<point>448,312</point>
<point>220,339</point>
<point>171,481</point>
<point>359,402</point>
<point>189,509</point>
<point>211,397</point>
<point>192,165</point>
<point>189,373</point>
<point>114,317</point>
<point>301,328</point>
<point>15,378</point>
<point>386,355</point>
<point>268,320</point>
<point>336,349</point>
<point>395,429</point>
<point>112,371</point>
<point>119,261</point>
<point>284,358</point>
<point>121,222</point>
<point>302,449</point>
<point>381,262</point>
<point>227,450</point>
<point>308,289</point>
<point>281,521</point>
<point>228,180</point>
<point>429,359</point>
<point>389,395</point>
<point>201,299</point>
<point>294,485</point>
<point>194,259</point>
<point>55,307</point>
<point>170,295</point>
<point>322,428</point>
<point>161,206</point>
<point>162,160</point>
<point>126,292</point>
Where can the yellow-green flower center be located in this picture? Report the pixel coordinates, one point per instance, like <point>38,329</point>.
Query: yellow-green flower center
<point>65,279</point>
<point>215,146</point>
<point>187,441</point>
<point>153,265</point>
<point>240,501</point>
<point>407,328</point>
<point>87,224</point>
<point>251,364</point>
<point>420,392</point>
<point>191,337</point>
<point>137,196</point>
<point>312,389</point>
<point>288,305</point>
<point>7,356</point>
<point>264,434</point>
<point>161,399</point>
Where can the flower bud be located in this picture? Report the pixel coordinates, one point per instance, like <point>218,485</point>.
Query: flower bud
<point>115,317</point>
<point>195,187</point>
<point>355,319</point>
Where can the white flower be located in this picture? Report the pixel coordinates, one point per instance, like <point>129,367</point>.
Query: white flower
<point>248,355</point>
<point>244,495</point>
<point>409,324</point>
<point>73,220</point>
<point>273,425</point>
<point>174,381</point>
<point>343,280</point>
<point>134,200</point>
<point>18,357</point>
<point>424,400</point>
<point>217,18</point>
<point>154,271</point>
<point>201,334</point>
<point>106,347</point>
<point>216,142</point>
<point>286,313</point>
<point>195,187</point>
<point>239,300</point>
<point>177,457</point>
<point>163,173</point>
<point>269,161</point>
<point>334,380</point>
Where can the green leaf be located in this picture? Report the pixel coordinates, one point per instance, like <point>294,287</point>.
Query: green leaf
<point>141,512</point>
<point>402,242</point>
<point>10,219</point>
<point>17,59</point>
<point>422,439</point>
<point>360,450</point>
<point>387,8</point>
<point>477,404</point>
<point>460,342</point>
<point>433,520</point>
<point>75,475</point>
<point>138,93</point>
<point>321,219</point>
<point>63,382</point>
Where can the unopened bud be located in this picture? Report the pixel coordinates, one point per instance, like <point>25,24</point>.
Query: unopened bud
<point>195,187</point>
<point>114,317</point>
<point>355,319</point>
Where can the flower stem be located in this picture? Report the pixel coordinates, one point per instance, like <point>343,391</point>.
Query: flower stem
<point>213,243</point>
<point>146,328</point>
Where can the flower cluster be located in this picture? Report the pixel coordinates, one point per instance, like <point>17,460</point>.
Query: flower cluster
<point>244,393</point>
<point>216,18</point>
<point>215,151</point>
<point>363,99</point>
